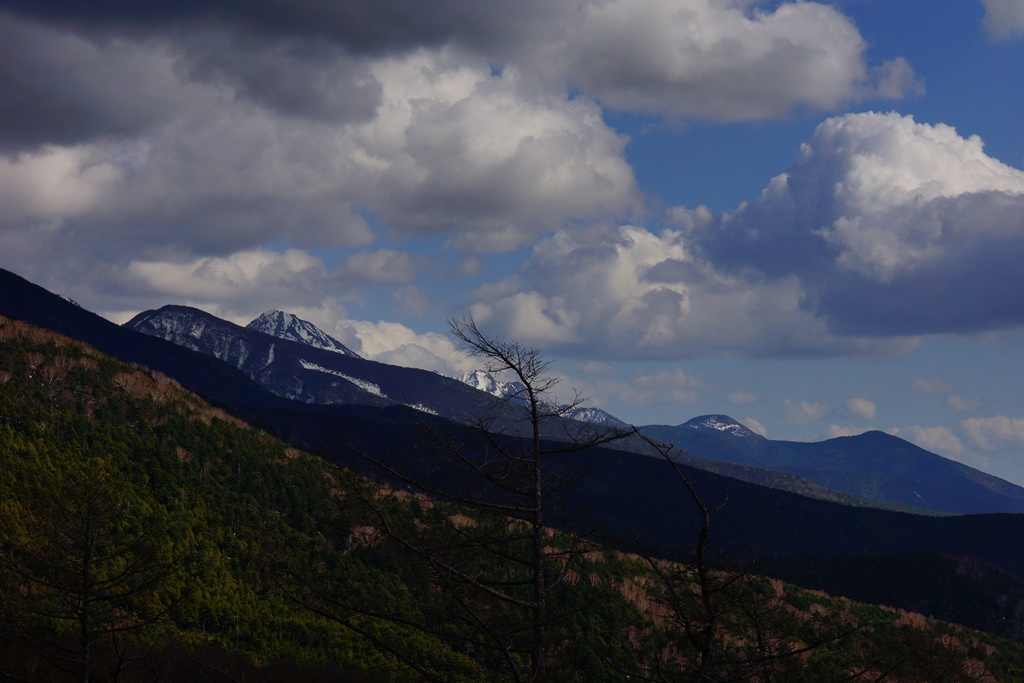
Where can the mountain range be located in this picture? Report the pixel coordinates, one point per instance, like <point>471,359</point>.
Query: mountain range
<point>342,407</point>
<point>516,392</point>
<point>263,551</point>
<point>872,466</point>
<point>294,359</point>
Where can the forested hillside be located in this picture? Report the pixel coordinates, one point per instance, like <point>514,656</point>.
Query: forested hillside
<point>145,535</point>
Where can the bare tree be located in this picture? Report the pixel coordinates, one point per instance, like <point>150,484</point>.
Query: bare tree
<point>728,621</point>
<point>483,547</point>
<point>522,474</point>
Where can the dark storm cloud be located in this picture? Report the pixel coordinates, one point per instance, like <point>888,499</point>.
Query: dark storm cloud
<point>308,79</point>
<point>363,27</point>
<point>57,88</point>
<point>77,71</point>
<point>62,88</point>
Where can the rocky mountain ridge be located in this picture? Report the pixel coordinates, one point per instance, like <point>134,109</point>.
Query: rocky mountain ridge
<point>292,327</point>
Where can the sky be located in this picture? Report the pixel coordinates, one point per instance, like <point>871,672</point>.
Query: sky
<point>806,215</point>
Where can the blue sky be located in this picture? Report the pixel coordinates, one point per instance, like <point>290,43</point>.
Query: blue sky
<point>809,216</point>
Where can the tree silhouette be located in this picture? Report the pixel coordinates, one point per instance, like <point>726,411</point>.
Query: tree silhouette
<point>482,551</point>
<point>729,623</point>
<point>82,562</point>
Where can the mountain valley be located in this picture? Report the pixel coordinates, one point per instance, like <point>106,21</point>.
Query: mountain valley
<point>372,418</point>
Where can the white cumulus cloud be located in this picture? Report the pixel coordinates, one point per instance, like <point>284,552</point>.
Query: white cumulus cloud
<point>993,433</point>
<point>939,440</point>
<point>720,60</point>
<point>862,408</point>
<point>886,222</point>
<point>804,411</point>
<point>396,344</point>
<point>236,287</point>
<point>628,292</point>
<point>754,426</point>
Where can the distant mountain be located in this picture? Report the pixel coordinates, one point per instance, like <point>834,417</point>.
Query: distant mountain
<point>721,425</point>
<point>624,497</point>
<point>516,392</point>
<point>873,465</point>
<point>23,300</point>
<point>305,372</point>
<point>289,326</point>
<point>594,416</point>
<point>164,446</point>
<point>486,382</point>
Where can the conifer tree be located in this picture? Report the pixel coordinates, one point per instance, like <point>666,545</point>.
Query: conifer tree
<point>81,561</point>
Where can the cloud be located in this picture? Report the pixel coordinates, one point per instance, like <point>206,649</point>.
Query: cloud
<point>960,404</point>
<point>629,293</point>
<point>804,411</point>
<point>871,239</point>
<point>451,147</point>
<point>835,431</point>
<point>665,387</point>
<point>742,397</point>
<point>237,287</point>
<point>723,61</point>
<point>755,426</point>
<point>861,407</point>
<point>885,223</point>
<point>713,59</point>
<point>424,143</point>
<point>396,344</point>
<point>992,433</point>
<point>939,440</point>
<point>191,131</point>
<point>63,89</point>
<point>488,157</point>
<point>412,300</point>
<point>1004,19</point>
<point>929,386</point>
<point>380,28</point>
<point>383,266</point>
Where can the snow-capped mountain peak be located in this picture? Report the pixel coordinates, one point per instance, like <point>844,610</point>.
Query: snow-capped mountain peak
<point>594,416</point>
<point>516,391</point>
<point>294,328</point>
<point>722,424</point>
<point>485,381</point>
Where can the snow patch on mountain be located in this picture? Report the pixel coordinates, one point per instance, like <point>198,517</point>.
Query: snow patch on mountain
<point>485,381</point>
<point>721,423</point>
<point>369,387</point>
<point>293,328</point>
<point>516,392</point>
<point>594,416</point>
